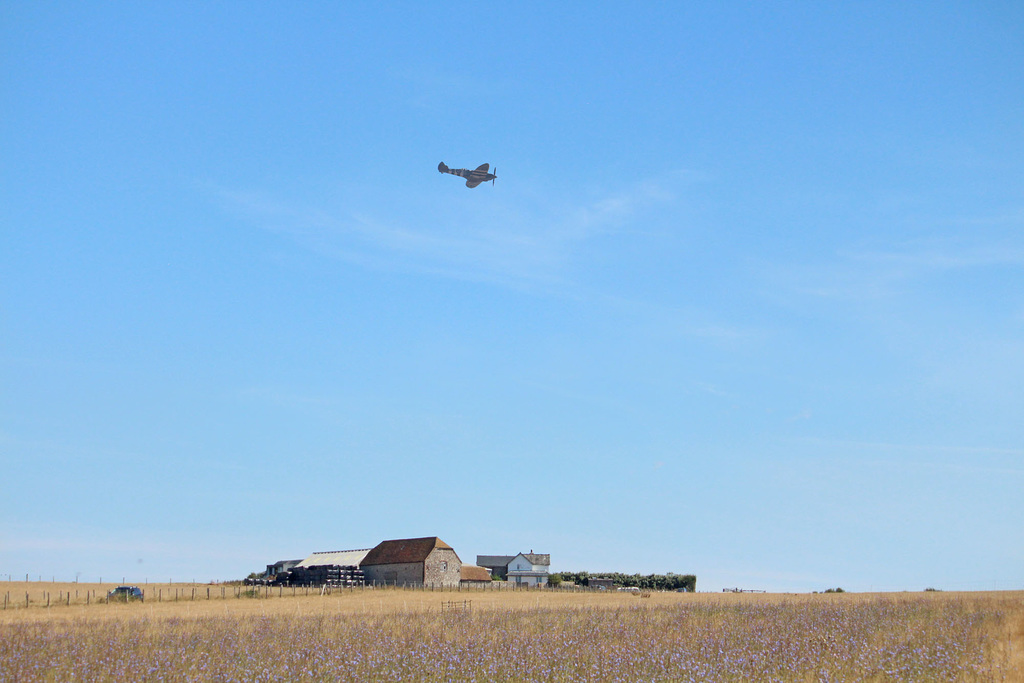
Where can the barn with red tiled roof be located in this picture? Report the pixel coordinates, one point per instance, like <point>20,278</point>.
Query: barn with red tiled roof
<point>413,562</point>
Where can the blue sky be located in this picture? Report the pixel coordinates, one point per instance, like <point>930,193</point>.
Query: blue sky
<point>746,301</point>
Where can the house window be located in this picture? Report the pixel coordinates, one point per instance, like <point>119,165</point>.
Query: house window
<point>444,566</point>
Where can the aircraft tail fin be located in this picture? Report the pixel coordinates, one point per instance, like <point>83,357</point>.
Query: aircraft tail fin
<point>442,168</point>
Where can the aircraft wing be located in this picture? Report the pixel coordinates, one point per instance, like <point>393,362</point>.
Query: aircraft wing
<point>473,182</point>
<point>483,167</point>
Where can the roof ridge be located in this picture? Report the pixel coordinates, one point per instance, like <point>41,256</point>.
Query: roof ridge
<point>403,550</point>
<point>332,552</point>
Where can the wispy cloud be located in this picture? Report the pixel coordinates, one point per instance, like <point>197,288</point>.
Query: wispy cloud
<point>611,212</point>
<point>526,243</point>
<point>95,542</point>
<point>980,459</point>
<point>920,448</point>
<point>714,390</point>
<point>922,257</point>
<point>431,88</point>
<point>94,552</point>
<point>685,322</point>
<point>862,274</point>
<point>540,243</point>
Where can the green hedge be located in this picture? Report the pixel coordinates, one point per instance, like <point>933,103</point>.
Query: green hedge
<point>657,582</point>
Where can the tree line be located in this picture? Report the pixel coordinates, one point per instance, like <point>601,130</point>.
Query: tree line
<point>657,582</point>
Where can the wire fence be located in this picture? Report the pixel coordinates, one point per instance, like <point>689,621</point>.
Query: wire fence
<point>67,595</point>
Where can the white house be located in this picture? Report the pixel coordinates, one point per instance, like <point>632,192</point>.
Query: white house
<point>529,568</point>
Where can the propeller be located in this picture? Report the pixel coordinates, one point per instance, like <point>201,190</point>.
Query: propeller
<point>495,174</point>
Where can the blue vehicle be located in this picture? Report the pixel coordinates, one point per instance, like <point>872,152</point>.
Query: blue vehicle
<point>125,594</point>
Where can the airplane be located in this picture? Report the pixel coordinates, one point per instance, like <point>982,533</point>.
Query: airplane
<point>474,177</point>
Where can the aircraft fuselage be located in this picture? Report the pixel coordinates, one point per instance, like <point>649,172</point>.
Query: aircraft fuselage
<point>473,178</point>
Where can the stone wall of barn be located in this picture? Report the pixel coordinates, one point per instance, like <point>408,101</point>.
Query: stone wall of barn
<point>442,568</point>
<point>410,573</point>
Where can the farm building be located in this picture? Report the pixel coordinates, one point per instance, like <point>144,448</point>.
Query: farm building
<point>601,584</point>
<point>529,569</point>
<point>498,564</point>
<point>280,567</point>
<point>338,558</point>
<point>335,568</point>
<point>413,561</point>
<point>475,576</point>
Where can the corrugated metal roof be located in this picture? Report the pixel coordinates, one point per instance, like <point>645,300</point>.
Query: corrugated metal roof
<point>404,550</point>
<point>342,558</point>
<point>471,573</point>
<point>494,560</point>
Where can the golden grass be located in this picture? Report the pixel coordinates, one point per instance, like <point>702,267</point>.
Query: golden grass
<point>180,599</point>
<point>1003,633</point>
<point>1010,644</point>
<point>69,600</point>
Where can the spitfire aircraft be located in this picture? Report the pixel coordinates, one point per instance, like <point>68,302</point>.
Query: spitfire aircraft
<point>474,177</point>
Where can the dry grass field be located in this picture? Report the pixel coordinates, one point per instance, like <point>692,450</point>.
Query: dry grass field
<point>390,635</point>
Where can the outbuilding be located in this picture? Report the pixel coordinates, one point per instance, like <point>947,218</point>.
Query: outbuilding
<point>475,576</point>
<point>498,564</point>
<point>413,562</point>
